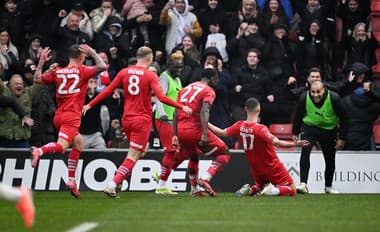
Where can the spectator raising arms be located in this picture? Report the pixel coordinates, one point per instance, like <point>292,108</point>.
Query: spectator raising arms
<point>179,21</point>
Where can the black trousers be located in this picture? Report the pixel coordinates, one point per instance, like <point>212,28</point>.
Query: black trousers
<point>327,141</point>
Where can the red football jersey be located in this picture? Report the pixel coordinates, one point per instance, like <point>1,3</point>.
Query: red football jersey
<point>193,96</point>
<point>138,84</point>
<point>71,86</point>
<point>257,143</point>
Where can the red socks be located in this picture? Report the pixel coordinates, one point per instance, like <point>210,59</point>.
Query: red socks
<point>286,191</point>
<point>52,148</point>
<point>193,167</point>
<point>124,170</point>
<point>218,164</point>
<point>73,161</point>
<point>167,164</point>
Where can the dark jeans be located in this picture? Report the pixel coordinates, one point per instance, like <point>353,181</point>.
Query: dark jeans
<point>327,141</point>
<point>9,143</point>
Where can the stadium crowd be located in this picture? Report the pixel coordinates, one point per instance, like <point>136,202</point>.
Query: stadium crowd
<point>267,49</point>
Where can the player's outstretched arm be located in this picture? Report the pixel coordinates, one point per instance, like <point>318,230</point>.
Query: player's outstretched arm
<point>295,143</point>
<point>218,131</point>
<point>45,56</point>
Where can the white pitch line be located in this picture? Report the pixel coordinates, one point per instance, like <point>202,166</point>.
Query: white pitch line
<point>84,227</point>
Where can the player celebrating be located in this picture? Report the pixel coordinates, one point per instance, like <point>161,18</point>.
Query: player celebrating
<point>194,135</point>
<point>269,173</point>
<point>138,83</point>
<point>71,87</point>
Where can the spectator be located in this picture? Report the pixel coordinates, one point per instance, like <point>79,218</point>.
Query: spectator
<point>85,24</point>
<point>155,29</point>
<point>43,13</point>
<point>252,80</point>
<point>179,21</point>
<point>286,5</point>
<point>113,40</point>
<point>90,127</point>
<point>220,113</point>
<point>28,69</point>
<point>11,102</point>
<point>272,14</point>
<point>213,19</point>
<point>357,76</point>
<point>278,59</point>
<point>364,108</point>
<point>351,12</point>
<point>319,116</point>
<point>12,132</point>
<point>100,15</point>
<point>310,52</point>
<point>43,109</point>
<point>135,9</point>
<point>360,46</point>
<point>17,20</point>
<point>8,54</point>
<point>68,35</point>
<point>33,49</point>
<point>248,10</point>
<point>192,59</point>
<point>247,37</point>
<point>312,10</point>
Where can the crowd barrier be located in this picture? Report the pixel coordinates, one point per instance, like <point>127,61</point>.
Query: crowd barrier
<point>356,172</point>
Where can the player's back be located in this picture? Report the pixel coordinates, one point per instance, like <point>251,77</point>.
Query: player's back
<point>193,96</point>
<point>71,86</point>
<point>137,84</point>
<point>257,143</point>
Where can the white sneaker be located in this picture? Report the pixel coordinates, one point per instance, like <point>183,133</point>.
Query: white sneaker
<point>330,190</point>
<point>111,192</point>
<point>245,190</point>
<point>302,188</point>
<point>267,190</point>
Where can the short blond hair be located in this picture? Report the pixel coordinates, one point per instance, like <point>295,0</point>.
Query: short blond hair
<point>143,51</point>
<point>176,56</point>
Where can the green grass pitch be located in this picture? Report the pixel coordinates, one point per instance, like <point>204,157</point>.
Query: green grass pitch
<point>147,212</point>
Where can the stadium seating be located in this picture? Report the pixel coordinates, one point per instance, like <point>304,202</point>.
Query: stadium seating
<point>376,132</point>
<point>283,132</point>
<point>375,7</point>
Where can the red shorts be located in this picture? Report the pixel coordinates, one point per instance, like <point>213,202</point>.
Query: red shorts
<point>278,176</point>
<point>165,132</point>
<point>68,126</point>
<point>137,131</point>
<point>189,139</point>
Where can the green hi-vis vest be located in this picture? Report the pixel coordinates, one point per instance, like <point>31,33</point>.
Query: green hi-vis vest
<point>172,93</point>
<point>323,117</point>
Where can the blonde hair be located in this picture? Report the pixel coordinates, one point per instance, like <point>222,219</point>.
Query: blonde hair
<point>143,51</point>
<point>176,56</point>
<point>356,29</point>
